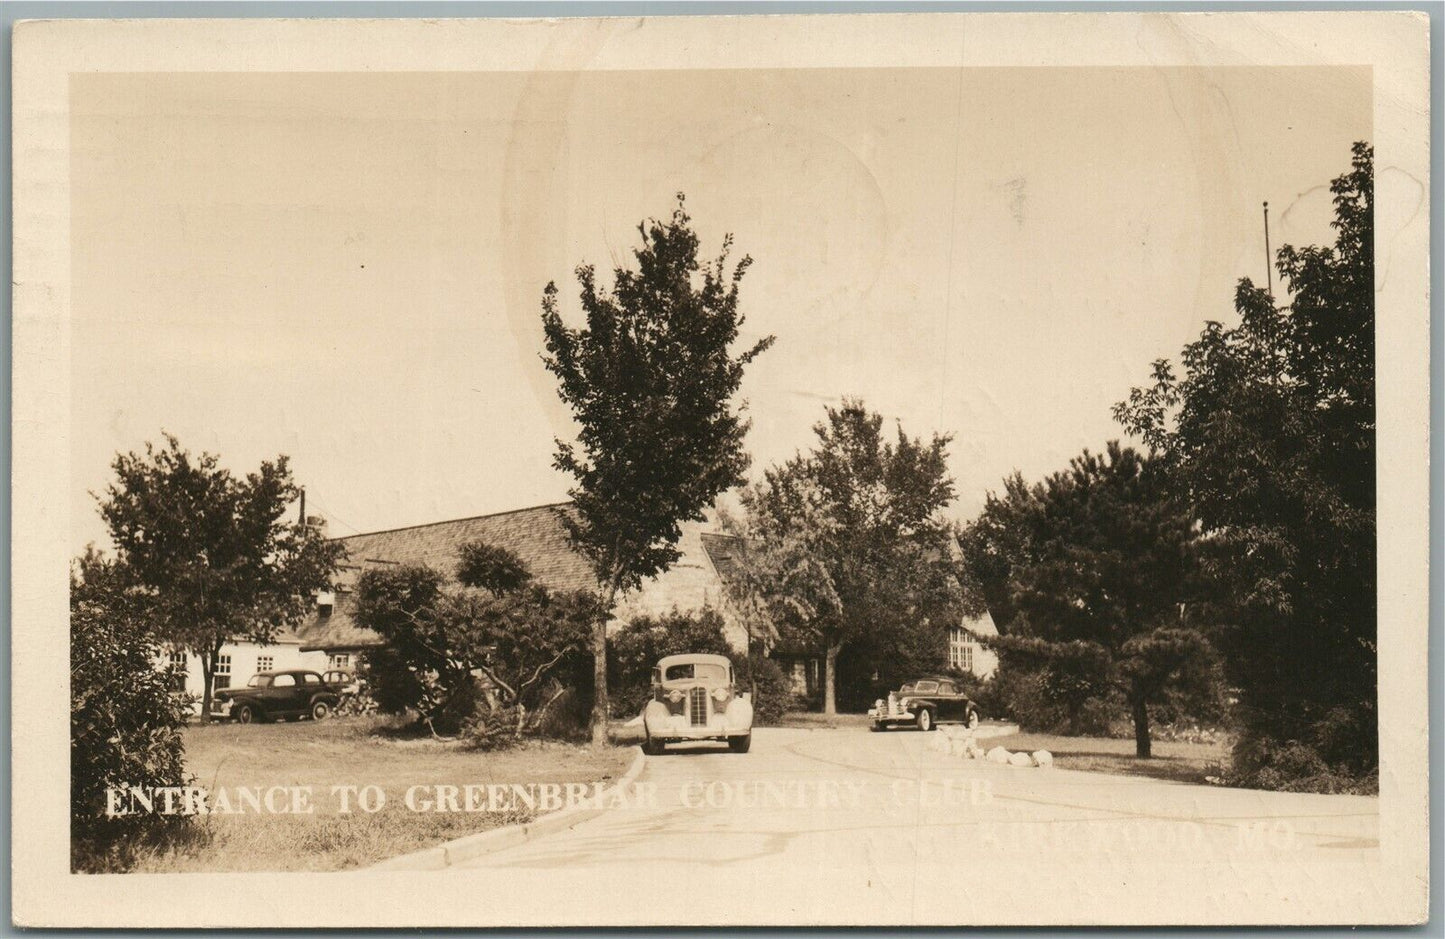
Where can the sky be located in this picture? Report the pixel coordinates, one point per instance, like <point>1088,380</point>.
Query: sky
<point>348,268</point>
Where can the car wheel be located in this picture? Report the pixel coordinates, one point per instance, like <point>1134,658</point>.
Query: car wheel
<point>653,747</point>
<point>245,714</point>
<point>741,744</point>
<point>878,727</point>
<point>320,710</point>
<point>925,719</point>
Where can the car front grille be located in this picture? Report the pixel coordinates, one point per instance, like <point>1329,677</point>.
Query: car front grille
<point>697,707</point>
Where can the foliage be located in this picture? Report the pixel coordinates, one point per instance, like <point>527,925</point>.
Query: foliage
<point>1269,432</point>
<point>772,691</point>
<point>847,547</point>
<point>492,568</point>
<point>650,380</point>
<point>456,649</point>
<point>1100,570</point>
<point>125,724</point>
<point>209,552</point>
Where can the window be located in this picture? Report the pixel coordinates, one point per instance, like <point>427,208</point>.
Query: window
<point>264,663</point>
<point>341,660</point>
<point>925,687</point>
<point>176,664</point>
<point>223,671</point>
<point>311,678</point>
<point>283,681</point>
<point>259,681</point>
<point>946,687</point>
<point>960,650</point>
<point>703,671</point>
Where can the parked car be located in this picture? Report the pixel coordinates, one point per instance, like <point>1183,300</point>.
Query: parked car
<point>269,695</point>
<point>342,681</point>
<point>924,703</point>
<point>695,697</point>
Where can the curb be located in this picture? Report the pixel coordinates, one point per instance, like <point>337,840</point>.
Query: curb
<point>497,839</point>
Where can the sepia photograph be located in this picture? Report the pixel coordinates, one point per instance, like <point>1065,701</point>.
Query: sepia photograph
<point>900,470</point>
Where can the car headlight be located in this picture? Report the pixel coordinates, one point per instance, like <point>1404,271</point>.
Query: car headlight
<point>674,696</point>
<point>878,704</point>
<point>719,695</point>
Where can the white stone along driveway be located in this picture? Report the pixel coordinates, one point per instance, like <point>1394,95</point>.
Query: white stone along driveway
<point>846,826</point>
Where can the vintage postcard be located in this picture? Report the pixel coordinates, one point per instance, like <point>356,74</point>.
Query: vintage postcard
<point>950,469</point>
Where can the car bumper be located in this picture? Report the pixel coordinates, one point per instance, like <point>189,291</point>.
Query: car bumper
<point>674,728</point>
<point>885,716</point>
<point>220,708</point>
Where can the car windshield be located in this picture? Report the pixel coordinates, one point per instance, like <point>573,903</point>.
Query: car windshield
<point>925,687</point>
<point>706,671</point>
<point>259,681</point>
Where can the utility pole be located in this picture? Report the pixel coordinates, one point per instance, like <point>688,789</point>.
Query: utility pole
<point>303,508</point>
<point>1268,273</point>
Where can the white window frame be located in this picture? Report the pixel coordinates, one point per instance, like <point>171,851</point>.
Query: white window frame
<point>178,663</point>
<point>340,660</point>
<point>222,677</point>
<point>962,650</point>
<point>265,663</point>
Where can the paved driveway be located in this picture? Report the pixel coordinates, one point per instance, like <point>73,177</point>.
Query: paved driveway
<point>837,826</point>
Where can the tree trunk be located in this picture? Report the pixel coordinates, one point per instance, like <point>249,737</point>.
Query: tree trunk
<point>600,713</point>
<point>1141,729</point>
<point>830,679</point>
<point>208,671</point>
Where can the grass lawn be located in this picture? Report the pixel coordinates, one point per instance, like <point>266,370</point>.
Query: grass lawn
<point>1179,762</point>
<point>359,751</point>
<point>810,720</point>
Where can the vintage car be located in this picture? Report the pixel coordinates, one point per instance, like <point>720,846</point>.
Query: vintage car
<point>342,681</point>
<point>924,704</point>
<point>269,695</point>
<point>695,697</point>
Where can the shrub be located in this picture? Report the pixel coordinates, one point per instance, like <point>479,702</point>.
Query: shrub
<point>772,691</point>
<point>442,637</point>
<point>125,724</point>
<point>1037,704</point>
<point>1292,766</point>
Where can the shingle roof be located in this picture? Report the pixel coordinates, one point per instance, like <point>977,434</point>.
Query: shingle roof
<point>721,552</point>
<point>720,549</point>
<point>536,535</point>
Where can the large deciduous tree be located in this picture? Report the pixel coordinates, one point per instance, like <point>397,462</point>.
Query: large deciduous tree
<point>212,552</point>
<point>848,542</point>
<point>651,379</point>
<point>1270,432</point>
<point>1098,565</point>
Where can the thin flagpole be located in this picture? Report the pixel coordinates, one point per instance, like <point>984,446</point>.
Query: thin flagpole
<point>1268,273</point>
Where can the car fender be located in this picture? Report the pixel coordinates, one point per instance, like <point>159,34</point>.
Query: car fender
<point>655,717</point>
<point>739,714</point>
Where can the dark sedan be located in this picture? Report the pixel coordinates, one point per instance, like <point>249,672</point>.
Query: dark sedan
<point>269,695</point>
<point>924,704</point>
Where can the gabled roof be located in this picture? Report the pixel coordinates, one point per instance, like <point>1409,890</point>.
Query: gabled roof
<point>721,551</point>
<point>536,535</point>
<point>981,625</point>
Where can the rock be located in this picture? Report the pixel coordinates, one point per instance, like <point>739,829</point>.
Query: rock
<point>1043,758</point>
<point>1020,759</point>
<point>998,755</point>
